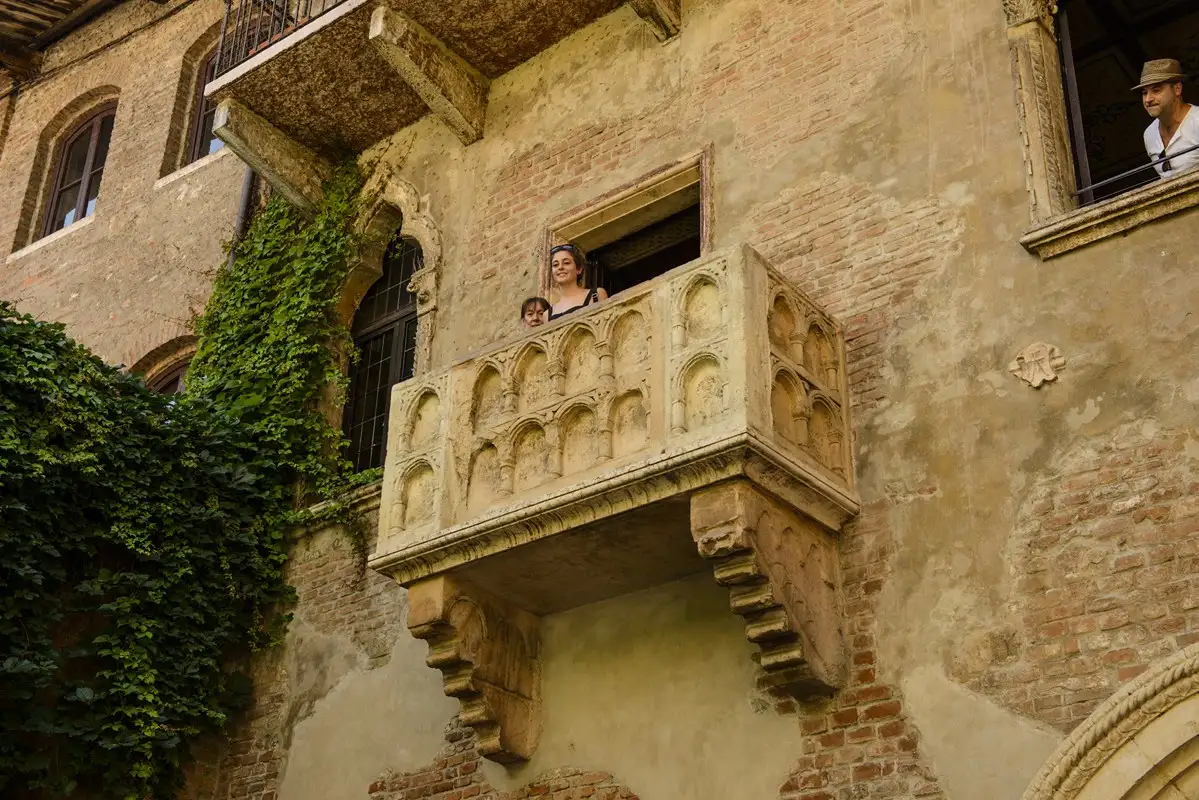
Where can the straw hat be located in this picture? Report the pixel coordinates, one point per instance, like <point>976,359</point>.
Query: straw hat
<point>1160,70</point>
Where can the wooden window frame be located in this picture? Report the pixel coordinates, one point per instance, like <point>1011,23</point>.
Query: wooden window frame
<point>197,138</point>
<point>94,122</point>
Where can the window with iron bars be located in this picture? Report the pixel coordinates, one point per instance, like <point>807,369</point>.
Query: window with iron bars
<point>384,331</point>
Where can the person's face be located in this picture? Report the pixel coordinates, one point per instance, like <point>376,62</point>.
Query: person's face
<point>564,268</point>
<point>534,315</point>
<point>1159,99</point>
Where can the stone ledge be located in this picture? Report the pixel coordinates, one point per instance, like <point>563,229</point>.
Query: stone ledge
<point>51,238</point>
<point>1118,215</point>
<point>188,169</point>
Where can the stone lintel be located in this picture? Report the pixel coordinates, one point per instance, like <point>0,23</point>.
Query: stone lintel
<point>780,568</point>
<point>664,17</point>
<point>452,89</point>
<point>487,652</point>
<point>284,163</point>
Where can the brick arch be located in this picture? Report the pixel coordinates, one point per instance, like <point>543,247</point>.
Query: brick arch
<point>48,154</point>
<point>186,97</point>
<point>165,357</point>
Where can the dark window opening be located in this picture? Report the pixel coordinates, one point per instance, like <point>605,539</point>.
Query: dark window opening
<point>645,254</point>
<point>80,168</point>
<point>1104,43</point>
<point>171,381</point>
<point>384,331</point>
<point>201,140</point>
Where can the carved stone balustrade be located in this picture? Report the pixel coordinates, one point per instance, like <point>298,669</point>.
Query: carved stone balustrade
<point>697,421</point>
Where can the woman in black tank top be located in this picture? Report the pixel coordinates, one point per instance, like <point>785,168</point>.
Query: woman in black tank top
<point>568,266</point>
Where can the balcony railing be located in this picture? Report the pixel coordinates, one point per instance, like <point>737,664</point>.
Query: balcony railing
<point>644,396</point>
<point>251,26</point>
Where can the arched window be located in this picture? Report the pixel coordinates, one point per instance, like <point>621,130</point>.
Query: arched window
<point>384,331</point>
<point>201,140</point>
<point>171,381</point>
<point>80,168</point>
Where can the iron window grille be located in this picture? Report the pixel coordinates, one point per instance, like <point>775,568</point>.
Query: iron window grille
<point>384,331</point>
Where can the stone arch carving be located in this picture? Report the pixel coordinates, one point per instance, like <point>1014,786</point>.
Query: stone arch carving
<point>1139,744</point>
<point>818,357</point>
<point>580,435</point>
<point>788,407</point>
<point>700,391</point>
<point>783,325</point>
<point>186,95</point>
<point>424,419</point>
<point>47,155</point>
<point>393,205</point>
<point>580,359</point>
<point>628,420</point>
<point>531,376</point>
<point>483,482</point>
<point>823,435</point>
<point>487,398</point>
<point>702,311</point>
<point>531,455</point>
<point>630,340</point>
<point>418,493</point>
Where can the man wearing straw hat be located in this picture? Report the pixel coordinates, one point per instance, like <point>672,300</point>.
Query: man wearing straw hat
<point>1173,136</point>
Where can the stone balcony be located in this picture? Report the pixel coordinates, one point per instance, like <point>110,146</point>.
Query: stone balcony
<point>301,82</point>
<point>697,421</point>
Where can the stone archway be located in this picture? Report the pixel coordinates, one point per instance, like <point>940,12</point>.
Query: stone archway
<point>1141,744</point>
<point>390,205</point>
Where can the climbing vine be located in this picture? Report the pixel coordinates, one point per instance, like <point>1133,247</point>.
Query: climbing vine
<point>144,537</point>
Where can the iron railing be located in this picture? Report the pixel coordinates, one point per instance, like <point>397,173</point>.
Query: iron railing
<point>251,26</point>
<point>1134,178</point>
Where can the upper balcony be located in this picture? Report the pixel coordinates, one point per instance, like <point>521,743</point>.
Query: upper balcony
<point>697,420</point>
<point>300,81</point>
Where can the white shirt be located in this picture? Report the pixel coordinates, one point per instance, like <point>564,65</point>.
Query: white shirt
<point>1186,136</point>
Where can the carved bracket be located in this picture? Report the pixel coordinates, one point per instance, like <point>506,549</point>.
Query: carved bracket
<point>487,652</point>
<point>451,88</point>
<point>781,572</point>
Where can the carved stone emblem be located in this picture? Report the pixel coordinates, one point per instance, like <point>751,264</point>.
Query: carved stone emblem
<point>1037,364</point>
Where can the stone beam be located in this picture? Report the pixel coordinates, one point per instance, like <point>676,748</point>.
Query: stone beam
<point>487,652</point>
<point>781,572</point>
<point>452,89</point>
<point>664,17</point>
<point>284,163</point>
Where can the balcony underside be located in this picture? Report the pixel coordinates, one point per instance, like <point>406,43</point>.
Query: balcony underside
<point>329,88</point>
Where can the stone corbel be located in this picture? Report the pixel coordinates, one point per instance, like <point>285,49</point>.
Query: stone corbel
<point>781,572</point>
<point>452,89</point>
<point>487,652</point>
<point>288,166</point>
<point>664,17</point>
<point>1019,12</point>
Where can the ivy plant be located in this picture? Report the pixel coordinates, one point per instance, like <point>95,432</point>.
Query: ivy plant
<point>144,537</point>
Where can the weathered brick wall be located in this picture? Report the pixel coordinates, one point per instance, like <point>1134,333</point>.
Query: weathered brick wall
<point>1104,563</point>
<point>131,278</point>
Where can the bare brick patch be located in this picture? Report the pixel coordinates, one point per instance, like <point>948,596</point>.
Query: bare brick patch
<point>1105,558</point>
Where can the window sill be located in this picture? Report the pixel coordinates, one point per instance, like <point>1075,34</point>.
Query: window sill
<point>1118,215</point>
<point>361,499</point>
<point>49,239</point>
<point>198,164</point>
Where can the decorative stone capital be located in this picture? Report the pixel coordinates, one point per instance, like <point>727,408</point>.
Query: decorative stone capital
<point>664,17</point>
<point>487,652</point>
<point>1019,12</point>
